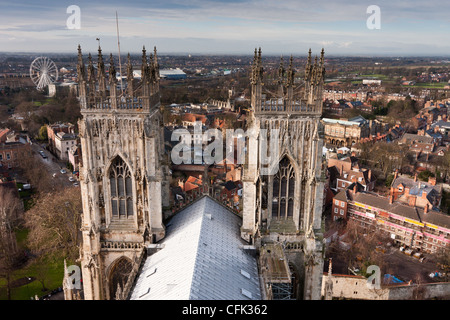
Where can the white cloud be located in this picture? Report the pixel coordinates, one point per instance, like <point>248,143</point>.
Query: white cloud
<point>292,24</point>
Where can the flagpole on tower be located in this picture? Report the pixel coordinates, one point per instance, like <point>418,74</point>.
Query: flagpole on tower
<point>118,45</point>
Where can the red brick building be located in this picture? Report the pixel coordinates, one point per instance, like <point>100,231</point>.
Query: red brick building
<point>12,152</point>
<point>423,230</point>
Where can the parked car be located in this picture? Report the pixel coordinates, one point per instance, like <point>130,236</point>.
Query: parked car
<point>71,179</point>
<point>418,255</point>
<point>43,154</point>
<point>63,171</point>
<point>76,184</point>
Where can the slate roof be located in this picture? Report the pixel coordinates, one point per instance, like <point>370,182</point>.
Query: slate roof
<point>416,187</point>
<point>414,138</point>
<point>441,124</point>
<point>202,259</point>
<point>415,213</point>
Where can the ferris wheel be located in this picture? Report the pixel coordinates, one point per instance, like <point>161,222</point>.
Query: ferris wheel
<point>43,72</point>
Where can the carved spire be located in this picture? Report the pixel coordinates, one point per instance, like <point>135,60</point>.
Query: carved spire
<point>322,53</point>
<point>81,79</point>
<point>91,73</point>
<point>257,70</point>
<point>145,75</point>
<point>329,283</point>
<point>308,66</point>
<point>330,268</point>
<point>101,73</point>
<point>281,71</point>
<point>112,82</point>
<point>151,68</point>
<point>259,56</point>
<point>130,87</point>
<point>322,64</point>
<point>67,287</point>
<point>290,73</point>
<point>112,70</point>
<point>80,66</point>
<point>144,67</point>
<point>315,71</point>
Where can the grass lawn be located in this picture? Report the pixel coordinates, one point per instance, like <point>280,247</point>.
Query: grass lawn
<point>54,273</point>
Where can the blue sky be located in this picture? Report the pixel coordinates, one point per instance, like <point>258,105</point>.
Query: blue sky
<point>230,27</point>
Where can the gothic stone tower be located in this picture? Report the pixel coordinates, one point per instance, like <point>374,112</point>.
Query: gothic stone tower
<point>122,176</point>
<point>285,208</point>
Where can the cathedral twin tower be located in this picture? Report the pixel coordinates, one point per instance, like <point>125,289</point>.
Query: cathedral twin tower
<point>125,177</point>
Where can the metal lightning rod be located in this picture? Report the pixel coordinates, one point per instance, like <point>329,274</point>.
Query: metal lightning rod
<point>118,45</point>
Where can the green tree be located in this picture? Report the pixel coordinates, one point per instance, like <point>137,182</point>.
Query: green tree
<point>389,180</point>
<point>43,136</point>
<point>424,175</point>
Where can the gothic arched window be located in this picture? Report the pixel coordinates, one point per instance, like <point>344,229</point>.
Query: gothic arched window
<point>121,189</point>
<point>283,191</point>
<point>119,276</point>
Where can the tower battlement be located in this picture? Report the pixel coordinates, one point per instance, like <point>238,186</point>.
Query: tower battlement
<point>99,92</point>
<point>285,100</point>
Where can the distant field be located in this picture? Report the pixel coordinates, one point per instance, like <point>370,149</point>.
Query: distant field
<point>376,76</point>
<point>439,85</point>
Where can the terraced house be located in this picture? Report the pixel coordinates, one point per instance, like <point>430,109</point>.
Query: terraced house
<point>423,229</point>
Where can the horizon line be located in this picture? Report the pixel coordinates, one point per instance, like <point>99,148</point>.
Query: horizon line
<point>271,53</point>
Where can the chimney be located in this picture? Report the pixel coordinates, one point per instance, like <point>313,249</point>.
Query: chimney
<point>424,195</point>
<point>395,174</point>
<point>391,199</point>
<point>355,188</point>
<point>406,191</point>
<point>425,210</point>
<point>370,175</point>
<point>432,181</point>
<point>412,201</point>
<point>415,177</point>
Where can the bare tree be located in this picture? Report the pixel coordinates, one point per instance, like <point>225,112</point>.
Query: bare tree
<point>10,208</point>
<point>36,175</point>
<point>365,246</point>
<point>54,223</point>
<point>442,259</point>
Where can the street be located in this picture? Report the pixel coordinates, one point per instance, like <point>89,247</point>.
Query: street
<point>53,165</point>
